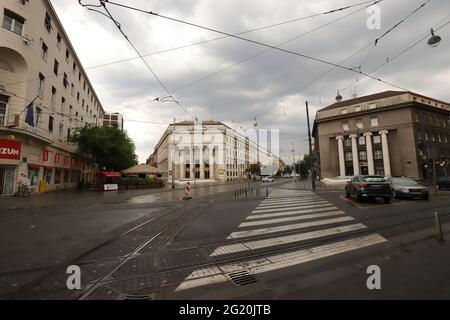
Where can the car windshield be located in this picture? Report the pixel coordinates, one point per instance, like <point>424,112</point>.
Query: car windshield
<point>404,182</point>
<point>374,179</point>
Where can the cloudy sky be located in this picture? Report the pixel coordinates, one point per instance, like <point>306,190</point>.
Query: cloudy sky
<point>243,80</point>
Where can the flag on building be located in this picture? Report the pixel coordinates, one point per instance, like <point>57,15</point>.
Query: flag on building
<point>29,119</point>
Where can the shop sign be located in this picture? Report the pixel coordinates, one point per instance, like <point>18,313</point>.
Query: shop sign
<point>10,149</point>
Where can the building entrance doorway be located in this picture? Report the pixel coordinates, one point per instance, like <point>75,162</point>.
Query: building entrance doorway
<point>7,180</point>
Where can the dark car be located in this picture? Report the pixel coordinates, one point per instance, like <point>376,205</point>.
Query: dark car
<point>369,187</point>
<point>443,183</point>
<point>408,188</point>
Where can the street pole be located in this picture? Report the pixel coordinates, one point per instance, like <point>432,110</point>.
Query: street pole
<point>311,158</point>
<point>293,157</point>
<point>173,155</point>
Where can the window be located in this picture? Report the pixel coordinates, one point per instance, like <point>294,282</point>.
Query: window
<point>359,124</point>
<point>374,122</point>
<point>362,141</point>
<point>372,106</point>
<point>426,136</point>
<point>44,51</point>
<point>41,84</point>
<point>50,123</point>
<point>348,142</point>
<point>72,89</point>
<point>63,104</point>
<point>13,22</point>
<point>48,22</point>
<point>378,154</point>
<point>56,67</point>
<point>3,104</point>
<point>345,126</point>
<point>67,55</point>
<point>439,138</point>
<point>74,67</point>
<point>84,85</point>
<point>348,156</point>
<point>53,102</point>
<point>362,155</point>
<point>78,96</point>
<point>70,111</point>
<point>344,111</point>
<point>61,132</point>
<point>58,41</point>
<point>57,176</point>
<point>65,82</point>
<point>38,116</point>
<point>376,139</point>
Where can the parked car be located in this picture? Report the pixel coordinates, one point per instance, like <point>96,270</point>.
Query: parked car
<point>408,188</point>
<point>267,179</point>
<point>443,183</point>
<point>287,176</point>
<point>369,187</point>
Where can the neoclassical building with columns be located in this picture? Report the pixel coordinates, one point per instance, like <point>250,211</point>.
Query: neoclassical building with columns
<point>391,133</point>
<point>209,151</point>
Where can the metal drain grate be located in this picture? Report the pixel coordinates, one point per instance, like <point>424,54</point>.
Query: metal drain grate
<point>242,278</point>
<point>127,296</point>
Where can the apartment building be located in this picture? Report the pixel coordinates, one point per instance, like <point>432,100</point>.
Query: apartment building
<point>207,151</point>
<point>391,133</point>
<point>45,95</point>
<point>113,119</point>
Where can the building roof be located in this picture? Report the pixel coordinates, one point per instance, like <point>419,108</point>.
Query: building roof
<point>376,96</point>
<point>207,123</point>
<point>141,169</point>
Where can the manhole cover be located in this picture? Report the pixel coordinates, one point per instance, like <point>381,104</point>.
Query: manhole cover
<point>242,278</point>
<point>128,296</point>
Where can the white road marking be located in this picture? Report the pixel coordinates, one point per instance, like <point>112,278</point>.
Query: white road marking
<point>279,261</point>
<point>289,202</point>
<point>289,219</point>
<point>296,226</point>
<point>278,213</point>
<point>297,209</point>
<point>283,205</point>
<point>259,244</point>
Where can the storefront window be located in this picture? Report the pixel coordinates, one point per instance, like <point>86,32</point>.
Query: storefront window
<point>57,176</point>
<point>66,176</point>
<point>48,175</point>
<point>33,174</point>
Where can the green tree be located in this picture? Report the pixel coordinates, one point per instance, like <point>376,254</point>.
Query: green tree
<point>109,147</point>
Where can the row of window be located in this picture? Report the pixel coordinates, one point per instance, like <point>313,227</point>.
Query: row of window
<point>433,119</point>
<point>362,140</point>
<point>434,137</point>
<point>362,155</point>
<point>359,124</point>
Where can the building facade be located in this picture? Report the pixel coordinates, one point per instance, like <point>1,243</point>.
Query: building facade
<point>392,133</point>
<point>207,151</point>
<point>45,95</point>
<point>113,119</point>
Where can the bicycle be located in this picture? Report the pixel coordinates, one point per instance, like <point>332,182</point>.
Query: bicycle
<point>23,191</point>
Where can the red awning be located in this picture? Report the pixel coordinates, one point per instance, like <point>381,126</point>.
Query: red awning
<point>34,167</point>
<point>110,174</point>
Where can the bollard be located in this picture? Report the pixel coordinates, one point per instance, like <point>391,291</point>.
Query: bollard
<point>439,236</point>
<point>245,193</point>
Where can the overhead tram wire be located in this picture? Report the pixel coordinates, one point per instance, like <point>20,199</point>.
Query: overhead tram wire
<point>262,52</point>
<point>308,57</point>
<point>119,27</point>
<point>399,52</point>
<point>374,43</point>
<point>201,42</point>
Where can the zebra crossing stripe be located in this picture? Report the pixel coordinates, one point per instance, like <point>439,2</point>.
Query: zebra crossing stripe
<point>290,213</point>
<point>283,205</point>
<point>216,275</point>
<point>296,226</point>
<point>309,206</point>
<point>289,202</point>
<point>290,219</point>
<point>259,244</point>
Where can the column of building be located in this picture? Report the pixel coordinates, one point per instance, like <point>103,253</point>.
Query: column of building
<point>369,148</point>
<point>211,163</point>
<point>202,163</point>
<point>182,162</point>
<point>340,140</point>
<point>386,157</point>
<point>355,155</point>
<point>192,164</point>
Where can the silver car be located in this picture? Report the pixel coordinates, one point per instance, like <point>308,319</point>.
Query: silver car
<point>408,188</point>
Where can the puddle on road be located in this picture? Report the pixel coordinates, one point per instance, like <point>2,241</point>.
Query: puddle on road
<point>148,198</point>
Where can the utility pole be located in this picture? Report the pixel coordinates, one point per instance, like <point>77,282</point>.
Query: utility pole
<point>311,157</point>
<point>173,155</point>
<point>293,157</point>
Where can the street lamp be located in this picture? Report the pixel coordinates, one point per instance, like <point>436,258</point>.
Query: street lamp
<point>338,97</point>
<point>434,40</point>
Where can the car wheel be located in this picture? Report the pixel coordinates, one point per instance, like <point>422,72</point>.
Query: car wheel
<point>394,194</point>
<point>387,200</point>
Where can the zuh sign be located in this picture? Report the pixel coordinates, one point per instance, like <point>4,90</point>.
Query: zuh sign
<point>10,149</point>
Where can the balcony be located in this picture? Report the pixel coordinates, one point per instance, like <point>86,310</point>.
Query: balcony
<point>14,124</point>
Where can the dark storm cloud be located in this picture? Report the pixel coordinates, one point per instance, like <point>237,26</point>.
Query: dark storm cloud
<point>270,86</point>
